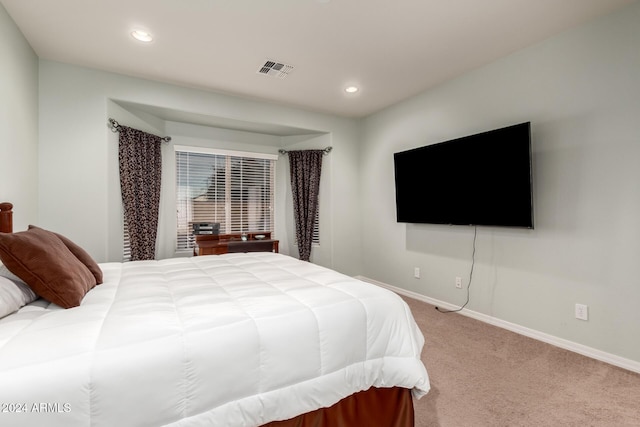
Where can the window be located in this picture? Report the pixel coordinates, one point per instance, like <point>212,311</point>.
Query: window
<point>126,250</point>
<point>235,189</point>
<point>316,226</point>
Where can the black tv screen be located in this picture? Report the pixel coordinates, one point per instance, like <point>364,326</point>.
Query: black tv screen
<point>482,179</point>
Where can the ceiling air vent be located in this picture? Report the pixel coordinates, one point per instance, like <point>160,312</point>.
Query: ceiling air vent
<point>275,69</point>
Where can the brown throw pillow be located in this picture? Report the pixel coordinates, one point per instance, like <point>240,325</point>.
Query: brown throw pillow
<point>81,254</point>
<point>43,262</point>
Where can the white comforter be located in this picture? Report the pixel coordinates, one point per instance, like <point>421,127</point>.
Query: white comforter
<point>229,340</point>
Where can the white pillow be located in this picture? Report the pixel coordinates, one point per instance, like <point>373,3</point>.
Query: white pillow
<point>14,293</point>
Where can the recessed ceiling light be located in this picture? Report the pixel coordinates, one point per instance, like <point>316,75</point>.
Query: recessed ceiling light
<point>351,89</point>
<point>142,36</point>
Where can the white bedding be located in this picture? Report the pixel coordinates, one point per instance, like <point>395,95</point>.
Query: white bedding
<point>222,340</point>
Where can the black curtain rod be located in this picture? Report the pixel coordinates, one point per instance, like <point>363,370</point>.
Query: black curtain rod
<point>115,127</point>
<point>326,150</point>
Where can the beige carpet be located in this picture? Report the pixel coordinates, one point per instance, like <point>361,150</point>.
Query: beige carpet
<point>482,375</point>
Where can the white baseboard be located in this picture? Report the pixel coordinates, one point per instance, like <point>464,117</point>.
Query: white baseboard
<point>584,350</point>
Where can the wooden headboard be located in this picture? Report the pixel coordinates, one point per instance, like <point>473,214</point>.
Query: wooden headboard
<point>6,218</point>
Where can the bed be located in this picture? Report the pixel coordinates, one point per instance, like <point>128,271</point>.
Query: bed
<point>242,339</point>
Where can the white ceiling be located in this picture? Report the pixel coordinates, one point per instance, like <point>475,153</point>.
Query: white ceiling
<point>391,49</point>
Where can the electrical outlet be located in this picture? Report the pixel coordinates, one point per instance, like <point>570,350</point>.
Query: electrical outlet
<point>582,312</point>
<point>416,272</point>
<point>459,282</point>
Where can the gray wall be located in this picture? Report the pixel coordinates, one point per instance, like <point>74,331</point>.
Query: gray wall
<point>581,91</point>
<point>18,123</point>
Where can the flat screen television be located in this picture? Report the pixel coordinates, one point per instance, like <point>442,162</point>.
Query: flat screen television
<point>483,179</point>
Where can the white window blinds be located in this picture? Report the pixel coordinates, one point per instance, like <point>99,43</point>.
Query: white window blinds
<point>126,249</point>
<point>235,189</point>
<point>316,226</point>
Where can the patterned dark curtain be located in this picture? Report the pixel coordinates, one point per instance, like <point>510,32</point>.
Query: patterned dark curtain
<point>305,167</point>
<point>140,178</point>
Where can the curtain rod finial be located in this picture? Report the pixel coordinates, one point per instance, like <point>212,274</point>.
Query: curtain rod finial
<point>114,125</point>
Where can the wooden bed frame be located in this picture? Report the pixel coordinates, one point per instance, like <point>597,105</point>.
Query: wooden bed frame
<point>6,218</point>
<point>380,407</point>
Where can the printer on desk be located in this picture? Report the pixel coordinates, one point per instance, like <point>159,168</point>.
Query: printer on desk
<point>206,228</point>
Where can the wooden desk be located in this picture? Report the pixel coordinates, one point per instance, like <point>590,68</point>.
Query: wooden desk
<point>216,244</point>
